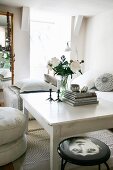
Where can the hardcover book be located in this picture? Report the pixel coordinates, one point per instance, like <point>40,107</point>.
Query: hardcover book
<point>80,98</point>
<point>80,103</point>
<point>80,95</point>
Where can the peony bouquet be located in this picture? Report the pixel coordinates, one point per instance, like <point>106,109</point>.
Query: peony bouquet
<point>63,67</point>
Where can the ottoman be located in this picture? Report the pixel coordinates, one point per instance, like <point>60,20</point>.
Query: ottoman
<point>13,141</point>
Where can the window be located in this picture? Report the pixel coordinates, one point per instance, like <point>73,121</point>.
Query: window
<point>48,38</point>
<point>2,36</point>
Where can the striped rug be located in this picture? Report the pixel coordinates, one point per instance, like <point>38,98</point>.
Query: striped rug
<point>37,154</point>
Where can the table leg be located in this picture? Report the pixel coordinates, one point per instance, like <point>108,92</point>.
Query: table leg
<point>54,157</point>
<point>25,111</point>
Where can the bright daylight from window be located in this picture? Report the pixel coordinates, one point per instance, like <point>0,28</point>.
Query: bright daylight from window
<point>48,37</point>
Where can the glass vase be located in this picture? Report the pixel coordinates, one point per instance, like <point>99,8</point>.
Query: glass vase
<point>63,85</point>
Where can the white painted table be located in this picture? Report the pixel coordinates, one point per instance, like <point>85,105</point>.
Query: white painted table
<point>62,120</point>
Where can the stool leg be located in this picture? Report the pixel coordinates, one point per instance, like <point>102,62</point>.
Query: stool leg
<point>99,167</point>
<point>63,164</point>
<point>62,168</point>
<point>107,166</point>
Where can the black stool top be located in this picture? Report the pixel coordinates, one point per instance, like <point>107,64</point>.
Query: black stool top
<point>86,151</point>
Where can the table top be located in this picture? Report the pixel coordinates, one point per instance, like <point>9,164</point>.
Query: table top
<point>60,113</point>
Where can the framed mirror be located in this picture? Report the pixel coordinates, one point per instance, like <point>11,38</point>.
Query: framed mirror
<point>6,47</point>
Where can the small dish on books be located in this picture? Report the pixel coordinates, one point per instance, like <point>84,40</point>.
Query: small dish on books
<point>75,87</point>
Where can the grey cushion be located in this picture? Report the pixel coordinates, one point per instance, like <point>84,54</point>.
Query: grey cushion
<point>104,82</point>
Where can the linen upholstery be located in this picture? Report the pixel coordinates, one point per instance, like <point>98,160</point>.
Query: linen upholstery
<point>11,151</point>
<point>50,79</point>
<point>32,85</point>
<point>13,141</point>
<point>12,124</point>
<point>86,79</point>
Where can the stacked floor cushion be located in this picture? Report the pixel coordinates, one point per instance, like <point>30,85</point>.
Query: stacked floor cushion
<point>13,141</point>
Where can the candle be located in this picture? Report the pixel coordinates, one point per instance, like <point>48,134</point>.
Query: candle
<point>50,85</point>
<point>58,84</point>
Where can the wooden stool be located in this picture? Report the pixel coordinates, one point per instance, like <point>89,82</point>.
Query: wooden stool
<point>84,151</point>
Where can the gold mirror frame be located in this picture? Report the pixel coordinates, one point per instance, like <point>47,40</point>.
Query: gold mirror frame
<point>10,37</point>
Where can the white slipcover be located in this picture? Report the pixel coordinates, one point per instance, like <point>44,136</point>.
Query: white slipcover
<point>13,150</point>
<point>12,124</point>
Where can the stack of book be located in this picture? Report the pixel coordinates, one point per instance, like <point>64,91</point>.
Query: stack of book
<point>77,99</point>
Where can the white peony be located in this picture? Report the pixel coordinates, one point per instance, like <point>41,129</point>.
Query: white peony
<point>49,67</point>
<point>55,62</point>
<point>63,67</point>
<point>75,66</point>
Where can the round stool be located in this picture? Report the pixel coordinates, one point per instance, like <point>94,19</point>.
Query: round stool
<point>13,142</point>
<point>84,151</point>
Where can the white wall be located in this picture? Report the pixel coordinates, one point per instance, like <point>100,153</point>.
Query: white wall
<point>21,45</point>
<point>81,39</point>
<point>98,49</point>
<point>95,43</point>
